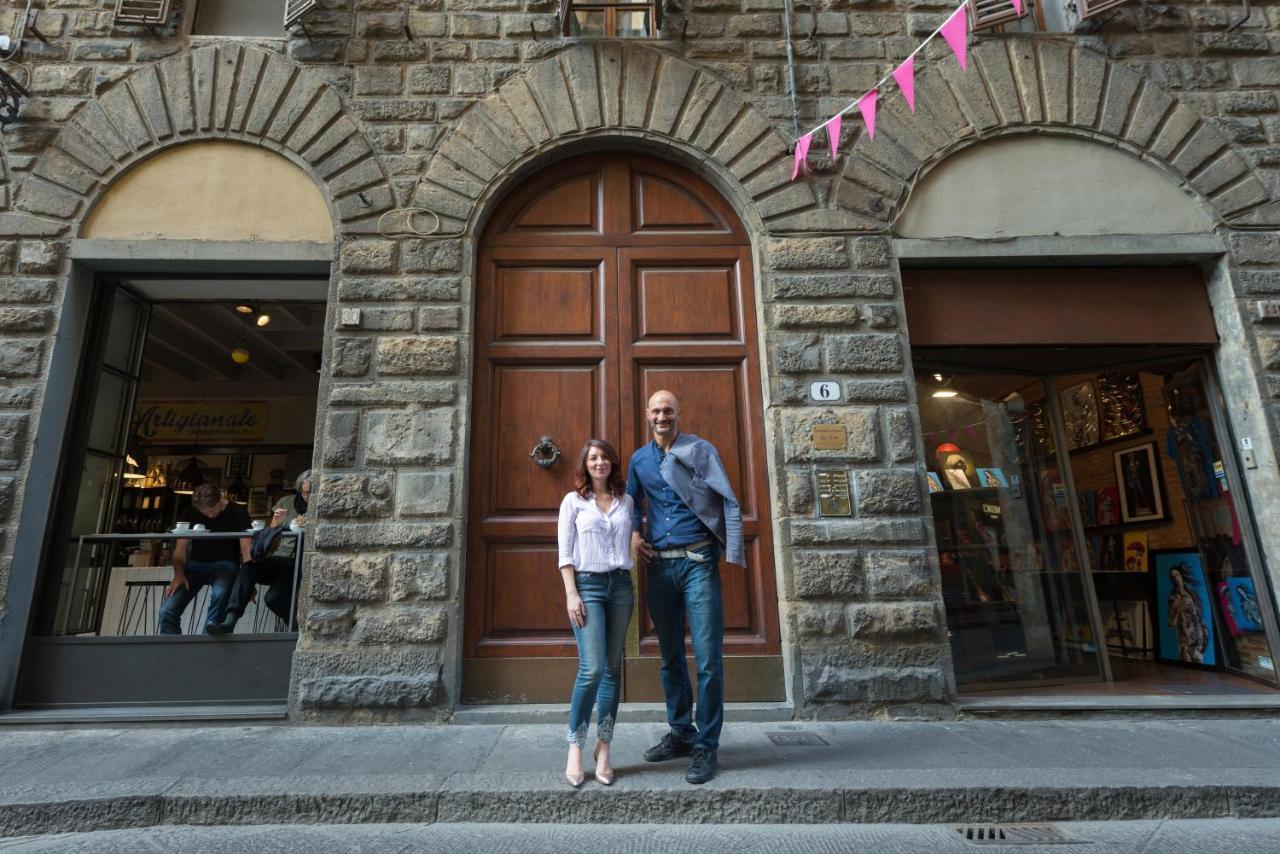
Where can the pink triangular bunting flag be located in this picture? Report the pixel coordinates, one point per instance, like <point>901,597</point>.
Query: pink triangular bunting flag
<point>833,134</point>
<point>1017,7</point>
<point>956,32</point>
<point>802,155</point>
<point>905,76</point>
<point>867,105</point>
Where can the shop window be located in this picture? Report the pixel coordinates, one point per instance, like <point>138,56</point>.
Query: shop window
<point>611,18</point>
<point>265,18</point>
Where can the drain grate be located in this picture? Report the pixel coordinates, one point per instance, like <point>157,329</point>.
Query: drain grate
<point>796,739</point>
<point>1014,834</point>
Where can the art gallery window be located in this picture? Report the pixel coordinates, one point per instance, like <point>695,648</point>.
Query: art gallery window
<point>1092,528</point>
<point>185,384</point>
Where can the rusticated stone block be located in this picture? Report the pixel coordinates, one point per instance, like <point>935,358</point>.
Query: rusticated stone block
<point>855,532</point>
<point>348,578</point>
<point>831,286</point>
<point>334,535</point>
<point>354,495</point>
<point>392,393</point>
<point>17,397</point>
<point>798,488</point>
<point>435,289</point>
<point>20,357</point>
<point>402,624</point>
<point>13,440</point>
<point>893,619</point>
<point>341,433</point>
<point>803,316</point>
<point>330,622</point>
<point>24,319</point>
<point>368,256</point>
<point>866,353</point>
<point>833,682</point>
<point>882,316</point>
<point>898,575</point>
<point>428,493</point>
<point>351,356</point>
<point>420,436</point>
<point>882,493</point>
<point>1256,247</point>
<point>901,435</point>
<point>432,256</point>
<point>809,253</point>
<point>417,356</point>
<point>859,423</point>
<point>28,291</point>
<point>872,253</point>
<point>828,574</point>
<point>818,619</point>
<point>361,692</point>
<point>797,354</point>
<point>39,257</point>
<point>875,391</point>
<point>423,576</point>
<point>6,497</point>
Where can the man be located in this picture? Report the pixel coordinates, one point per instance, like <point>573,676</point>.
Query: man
<point>197,562</point>
<point>690,518</point>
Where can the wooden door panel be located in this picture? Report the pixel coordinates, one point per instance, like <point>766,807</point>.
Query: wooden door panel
<point>556,302</point>
<point>526,598</point>
<point>660,204</point>
<point>572,204</point>
<point>532,402</point>
<point>686,302</point>
<point>711,406</point>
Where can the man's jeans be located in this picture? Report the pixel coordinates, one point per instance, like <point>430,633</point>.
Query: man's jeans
<point>608,600</point>
<point>218,573</point>
<point>680,587</point>
<point>271,570</point>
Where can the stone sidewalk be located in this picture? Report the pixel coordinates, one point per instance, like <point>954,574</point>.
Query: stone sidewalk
<point>898,772</point>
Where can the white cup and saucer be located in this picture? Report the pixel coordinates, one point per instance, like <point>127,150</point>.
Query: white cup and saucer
<point>182,526</point>
<point>199,527</point>
<point>257,525</point>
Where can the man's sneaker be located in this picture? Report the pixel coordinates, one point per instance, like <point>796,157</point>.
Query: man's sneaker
<point>226,627</point>
<point>702,767</point>
<point>669,748</point>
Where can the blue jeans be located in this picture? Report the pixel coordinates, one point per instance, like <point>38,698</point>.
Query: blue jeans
<point>680,587</point>
<point>608,600</point>
<point>220,574</point>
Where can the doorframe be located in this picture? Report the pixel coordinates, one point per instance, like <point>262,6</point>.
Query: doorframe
<point>88,258</point>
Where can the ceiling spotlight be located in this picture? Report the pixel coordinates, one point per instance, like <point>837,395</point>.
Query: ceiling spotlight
<point>263,319</point>
<point>240,356</point>
<point>245,308</point>
<point>945,392</point>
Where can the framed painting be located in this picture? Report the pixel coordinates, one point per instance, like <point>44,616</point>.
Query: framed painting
<point>1184,620</point>
<point>1138,481</point>
<point>258,503</point>
<point>1080,415</point>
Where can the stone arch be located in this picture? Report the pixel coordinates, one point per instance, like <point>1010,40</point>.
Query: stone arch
<point>612,89</point>
<point>1025,85</point>
<point>230,92</point>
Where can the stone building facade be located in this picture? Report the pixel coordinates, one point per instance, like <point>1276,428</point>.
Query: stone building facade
<point>446,105</point>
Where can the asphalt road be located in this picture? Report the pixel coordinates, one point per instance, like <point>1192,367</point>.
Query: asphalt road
<point>1220,836</point>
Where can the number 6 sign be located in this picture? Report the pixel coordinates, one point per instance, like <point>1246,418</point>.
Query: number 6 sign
<point>825,391</point>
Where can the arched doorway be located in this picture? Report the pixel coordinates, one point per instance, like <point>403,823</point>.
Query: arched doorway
<point>600,280</point>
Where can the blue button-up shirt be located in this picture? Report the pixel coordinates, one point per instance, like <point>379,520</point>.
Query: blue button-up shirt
<point>671,522</point>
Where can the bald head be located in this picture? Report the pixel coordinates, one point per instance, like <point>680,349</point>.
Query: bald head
<point>662,412</point>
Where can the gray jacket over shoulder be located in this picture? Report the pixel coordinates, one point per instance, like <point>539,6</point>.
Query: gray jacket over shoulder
<point>693,468</point>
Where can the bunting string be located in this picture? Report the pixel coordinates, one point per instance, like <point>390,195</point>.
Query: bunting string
<point>954,31</point>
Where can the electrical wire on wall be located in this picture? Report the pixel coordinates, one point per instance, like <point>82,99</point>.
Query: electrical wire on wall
<point>11,91</point>
<point>791,68</point>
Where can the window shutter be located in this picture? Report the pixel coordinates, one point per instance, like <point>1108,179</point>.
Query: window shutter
<point>142,11</point>
<point>1089,8</point>
<point>295,9</point>
<point>991,13</point>
<point>566,9</point>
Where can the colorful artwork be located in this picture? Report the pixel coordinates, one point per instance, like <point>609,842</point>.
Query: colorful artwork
<point>1107,506</point>
<point>992,478</point>
<point>935,482</point>
<point>1244,602</point>
<point>1120,405</point>
<point>957,466</point>
<point>1182,597</point>
<point>1138,476</point>
<point>1135,551</point>
<point>1080,415</point>
<point>1088,508</point>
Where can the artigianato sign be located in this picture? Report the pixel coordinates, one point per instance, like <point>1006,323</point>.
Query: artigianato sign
<point>187,421</point>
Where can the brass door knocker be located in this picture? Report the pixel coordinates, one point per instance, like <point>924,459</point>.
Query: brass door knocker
<point>545,453</point>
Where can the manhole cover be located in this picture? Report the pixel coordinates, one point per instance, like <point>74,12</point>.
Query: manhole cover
<point>796,739</point>
<point>1014,834</point>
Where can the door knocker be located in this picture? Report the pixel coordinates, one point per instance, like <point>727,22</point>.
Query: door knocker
<point>545,453</point>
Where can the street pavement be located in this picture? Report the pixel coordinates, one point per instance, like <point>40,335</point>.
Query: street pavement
<point>1223,836</point>
<point>76,780</point>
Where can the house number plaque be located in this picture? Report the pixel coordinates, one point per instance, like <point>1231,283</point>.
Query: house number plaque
<point>833,493</point>
<point>830,437</point>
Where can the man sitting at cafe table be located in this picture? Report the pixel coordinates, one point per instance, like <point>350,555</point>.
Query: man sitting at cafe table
<point>200,561</point>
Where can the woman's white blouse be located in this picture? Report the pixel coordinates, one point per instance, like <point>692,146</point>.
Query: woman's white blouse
<point>592,540</point>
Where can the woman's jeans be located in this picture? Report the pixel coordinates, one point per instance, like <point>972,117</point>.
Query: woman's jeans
<point>688,588</point>
<point>607,599</point>
<point>220,574</point>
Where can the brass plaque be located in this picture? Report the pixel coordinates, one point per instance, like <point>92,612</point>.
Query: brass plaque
<point>833,493</point>
<point>830,437</point>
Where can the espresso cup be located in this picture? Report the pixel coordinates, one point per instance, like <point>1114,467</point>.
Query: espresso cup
<point>199,527</point>
<point>182,526</point>
<point>257,525</point>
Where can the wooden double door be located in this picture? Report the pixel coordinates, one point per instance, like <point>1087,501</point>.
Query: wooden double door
<point>601,280</point>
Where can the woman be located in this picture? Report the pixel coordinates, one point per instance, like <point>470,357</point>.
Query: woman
<point>595,563</point>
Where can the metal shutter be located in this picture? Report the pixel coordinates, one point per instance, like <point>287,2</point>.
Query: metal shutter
<point>142,11</point>
<point>295,9</point>
<point>1089,8</point>
<point>990,13</point>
